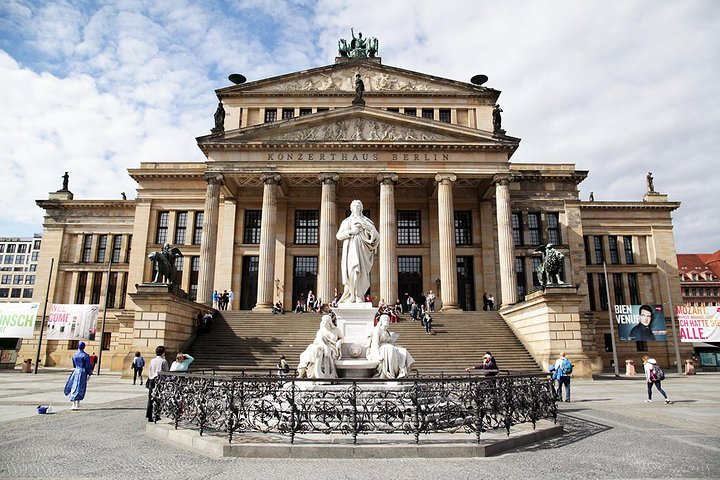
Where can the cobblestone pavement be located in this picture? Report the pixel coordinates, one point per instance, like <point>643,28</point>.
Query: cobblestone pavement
<point>610,433</point>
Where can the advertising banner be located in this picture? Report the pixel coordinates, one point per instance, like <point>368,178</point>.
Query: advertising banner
<point>698,324</point>
<point>17,320</point>
<point>641,323</point>
<point>72,322</point>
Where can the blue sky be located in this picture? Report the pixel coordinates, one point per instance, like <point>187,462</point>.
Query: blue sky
<point>617,88</point>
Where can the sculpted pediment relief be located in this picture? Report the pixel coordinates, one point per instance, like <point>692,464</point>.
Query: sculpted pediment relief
<point>375,79</point>
<point>361,129</point>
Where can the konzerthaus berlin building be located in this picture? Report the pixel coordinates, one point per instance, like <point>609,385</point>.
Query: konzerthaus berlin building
<point>434,172</point>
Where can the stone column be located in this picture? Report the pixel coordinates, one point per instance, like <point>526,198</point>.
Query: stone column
<point>506,247</point>
<point>446,236</point>
<point>266,267</point>
<point>327,258</point>
<point>208,243</point>
<point>388,238</point>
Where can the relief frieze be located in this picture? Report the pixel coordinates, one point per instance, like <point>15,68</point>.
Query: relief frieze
<point>360,129</point>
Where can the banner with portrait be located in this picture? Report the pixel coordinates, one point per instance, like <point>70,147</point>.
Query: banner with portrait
<point>17,320</point>
<point>72,322</point>
<point>698,324</point>
<point>641,323</point>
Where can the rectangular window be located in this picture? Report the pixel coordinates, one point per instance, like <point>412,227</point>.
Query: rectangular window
<point>393,109</point>
<point>627,244</point>
<point>19,259</point>
<point>428,113</point>
<point>129,248</point>
<point>194,277</point>
<point>22,248</point>
<point>161,234</point>
<point>181,227</point>
<point>270,115</point>
<point>179,263</point>
<point>608,342</point>
<point>11,248</point>
<point>4,292</point>
<point>17,280</point>
<point>2,248</point>
<point>618,287</point>
<point>198,227</point>
<point>123,292</point>
<point>445,115</point>
<point>36,245</point>
<point>534,234</point>
<point>408,225</point>
<point>288,113</point>
<point>591,292</point>
<point>411,111</point>
<point>553,220</point>
<point>29,279</point>
<point>112,289</point>
<point>463,228</point>
<point>409,264</point>
<point>586,242</point>
<point>107,337</point>
<point>305,111</point>
<point>34,256</point>
<point>82,286</point>
<point>116,247</point>
<point>96,288</point>
<point>87,248</point>
<point>253,219</point>
<point>599,253</point>
<point>613,247</point>
<point>516,221</point>
<point>307,227</point>
<point>322,109</point>
<point>102,248</point>
<point>536,261</point>
<point>633,287</point>
<point>6,279</point>
<point>520,275</point>
<point>9,258</point>
<point>603,293</point>
<point>15,292</point>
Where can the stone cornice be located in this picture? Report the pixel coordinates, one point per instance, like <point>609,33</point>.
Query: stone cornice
<point>50,204</point>
<point>596,205</point>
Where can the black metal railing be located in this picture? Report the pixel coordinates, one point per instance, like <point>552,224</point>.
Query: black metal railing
<point>466,404</point>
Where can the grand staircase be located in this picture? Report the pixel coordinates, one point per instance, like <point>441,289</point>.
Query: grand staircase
<point>247,339</point>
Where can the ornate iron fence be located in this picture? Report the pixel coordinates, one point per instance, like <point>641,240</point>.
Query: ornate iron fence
<point>240,404</point>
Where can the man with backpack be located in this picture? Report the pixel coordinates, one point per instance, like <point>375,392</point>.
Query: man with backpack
<point>561,372</point>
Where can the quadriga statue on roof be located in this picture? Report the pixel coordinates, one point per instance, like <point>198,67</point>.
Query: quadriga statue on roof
<point>360,242</point>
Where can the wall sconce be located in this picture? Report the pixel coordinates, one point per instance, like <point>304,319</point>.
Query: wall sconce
<point>437,283</point>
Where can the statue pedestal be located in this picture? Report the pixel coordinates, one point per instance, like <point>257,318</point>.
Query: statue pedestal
<point>355,321</point>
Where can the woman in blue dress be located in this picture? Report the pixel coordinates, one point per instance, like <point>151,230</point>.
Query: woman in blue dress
<point>77,381</point>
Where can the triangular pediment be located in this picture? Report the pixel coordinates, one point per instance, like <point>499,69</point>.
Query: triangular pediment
<point>340,78</point>
<point>360,125</point>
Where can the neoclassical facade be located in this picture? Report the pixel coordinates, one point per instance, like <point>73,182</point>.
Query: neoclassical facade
<point>433,169</point>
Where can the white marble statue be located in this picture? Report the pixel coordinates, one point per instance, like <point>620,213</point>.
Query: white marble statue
<point>360,241</point>
<point>318,359</point>
<point>394,360</point>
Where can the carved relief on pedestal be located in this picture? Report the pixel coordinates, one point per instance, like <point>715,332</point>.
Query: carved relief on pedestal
<point>375,81</point>
<point>361,130</point>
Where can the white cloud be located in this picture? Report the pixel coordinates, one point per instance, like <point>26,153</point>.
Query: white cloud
<point>618,88</point>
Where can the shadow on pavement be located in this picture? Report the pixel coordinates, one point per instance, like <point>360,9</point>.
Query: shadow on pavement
<point>576,429</point>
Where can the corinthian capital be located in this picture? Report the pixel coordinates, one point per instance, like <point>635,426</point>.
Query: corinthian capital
<point>271,178</point>
<point>445,178</point>
<point>215,179</point>
<point>387,178</point>
<point>328,178</point>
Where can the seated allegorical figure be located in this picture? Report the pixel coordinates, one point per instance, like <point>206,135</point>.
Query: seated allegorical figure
<point>393,360</point>
<point>318,359</point>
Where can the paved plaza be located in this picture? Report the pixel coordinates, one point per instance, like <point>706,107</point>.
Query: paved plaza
<point>610,433</point>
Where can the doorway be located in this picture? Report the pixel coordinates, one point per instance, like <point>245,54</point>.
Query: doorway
<point>409,279</point>
<point>466,283</point>
<point>248,286</point>
<point>304,278</point>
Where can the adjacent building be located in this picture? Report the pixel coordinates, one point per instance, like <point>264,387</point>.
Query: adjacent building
<point>430,161</point>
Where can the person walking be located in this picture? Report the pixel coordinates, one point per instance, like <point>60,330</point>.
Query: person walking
<point>427,322</point>
<point>283,366</point>
<point>561,371</point>
<point>654,376</point>
<point>93,361</point>
<point>76,384</point>
<point>485,301</point>
<point>157,365</point>
<point>137,366</point>
<point>431,301</point>
<point>216,298</point>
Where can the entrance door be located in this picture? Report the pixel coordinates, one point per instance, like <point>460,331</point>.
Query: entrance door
<point>248,286</point>
<point>466,283</point>
<point>409,279</point>
<point>304,278</point>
